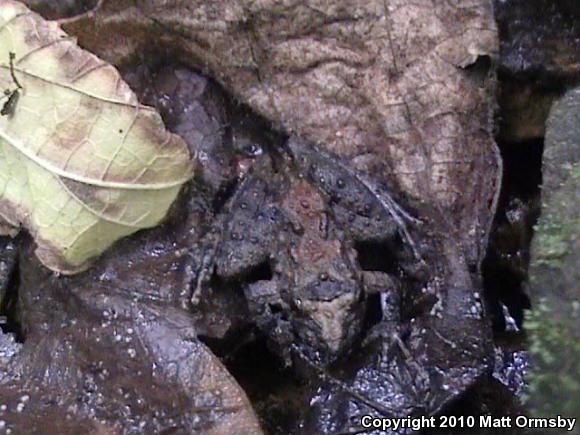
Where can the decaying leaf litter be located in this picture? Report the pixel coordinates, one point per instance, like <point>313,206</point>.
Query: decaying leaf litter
<point>389,122</point>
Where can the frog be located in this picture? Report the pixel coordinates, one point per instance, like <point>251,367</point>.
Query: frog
<point>283,240</point>
<point>328,294</point>
<point>312,292</point>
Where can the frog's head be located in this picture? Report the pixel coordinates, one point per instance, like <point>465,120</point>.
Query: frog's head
<point>328,314</point>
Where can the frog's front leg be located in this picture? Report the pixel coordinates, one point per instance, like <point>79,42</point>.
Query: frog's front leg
<point>388,289</point>
<point>198,273</point>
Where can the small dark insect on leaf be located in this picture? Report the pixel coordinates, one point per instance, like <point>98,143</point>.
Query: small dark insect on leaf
<point>10,105</point>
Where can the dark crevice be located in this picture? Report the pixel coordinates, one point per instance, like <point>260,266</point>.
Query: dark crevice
<point>276,394</point>
<point>9,312</point>
<point>479,70</point>
<point>377,257</point>
<point>505,267</point>
<point>226,348</point>
<point>373,313</point>
<point>262,272</point>
<point>522,169</point>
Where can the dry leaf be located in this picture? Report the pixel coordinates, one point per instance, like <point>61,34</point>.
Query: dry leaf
<point>82,163</point>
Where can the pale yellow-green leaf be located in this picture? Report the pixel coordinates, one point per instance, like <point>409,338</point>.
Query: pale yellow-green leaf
<point>82,163</point>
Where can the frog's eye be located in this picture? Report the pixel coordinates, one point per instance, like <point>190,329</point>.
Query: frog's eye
<point>252,150</point>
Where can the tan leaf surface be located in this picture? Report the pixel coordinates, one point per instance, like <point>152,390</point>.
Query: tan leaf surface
<point>82,163</point>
